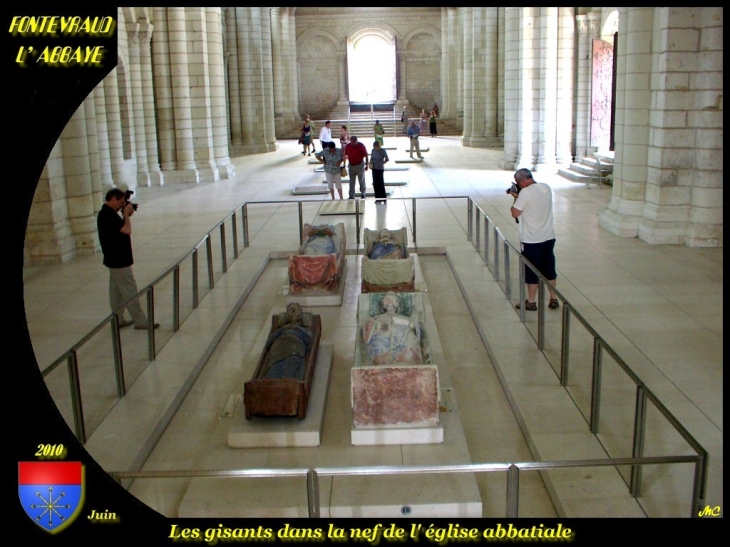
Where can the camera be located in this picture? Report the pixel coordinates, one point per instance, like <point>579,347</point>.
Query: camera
<point>514,189</point>
<point>127,196</point>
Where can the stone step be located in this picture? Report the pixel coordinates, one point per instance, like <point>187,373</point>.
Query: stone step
<point>577,177</point>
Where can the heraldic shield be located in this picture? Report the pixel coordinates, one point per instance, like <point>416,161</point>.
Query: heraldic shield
<point>51,493</point>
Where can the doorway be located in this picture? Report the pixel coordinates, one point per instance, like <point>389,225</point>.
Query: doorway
<point>371,69</point>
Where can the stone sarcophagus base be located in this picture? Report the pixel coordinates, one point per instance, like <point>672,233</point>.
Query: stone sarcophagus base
<point>395,396</point>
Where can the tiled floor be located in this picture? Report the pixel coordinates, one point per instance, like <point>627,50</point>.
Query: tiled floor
<point>660,307</point>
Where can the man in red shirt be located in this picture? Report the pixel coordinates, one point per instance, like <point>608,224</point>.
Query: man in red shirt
<point>357,158</point>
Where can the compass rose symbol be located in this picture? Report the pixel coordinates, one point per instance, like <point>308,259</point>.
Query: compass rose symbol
<point>50,506</point>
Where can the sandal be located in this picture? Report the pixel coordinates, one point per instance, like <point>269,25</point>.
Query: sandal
<point>554,304</point>
<point>530,306</point>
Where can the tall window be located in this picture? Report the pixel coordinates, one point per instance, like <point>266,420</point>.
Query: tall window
<point>371,69</point>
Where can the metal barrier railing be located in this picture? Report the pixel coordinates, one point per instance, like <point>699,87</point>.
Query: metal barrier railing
<point>512,469</point>
<point>643,394</point>
<point>600,345</point>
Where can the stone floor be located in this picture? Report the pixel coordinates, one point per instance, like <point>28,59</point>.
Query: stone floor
<point>660,307</point>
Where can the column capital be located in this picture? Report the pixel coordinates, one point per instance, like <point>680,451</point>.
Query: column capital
<point>594,24</point>
<point>582,24</point>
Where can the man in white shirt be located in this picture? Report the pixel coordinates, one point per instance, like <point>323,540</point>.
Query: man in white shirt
<point>534,207</point>
<point>325,135</point>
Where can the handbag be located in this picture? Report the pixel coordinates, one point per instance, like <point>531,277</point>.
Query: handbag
<point>343,172</point>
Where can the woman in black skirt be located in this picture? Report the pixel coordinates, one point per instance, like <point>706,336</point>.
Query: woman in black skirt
<point>378,159</point>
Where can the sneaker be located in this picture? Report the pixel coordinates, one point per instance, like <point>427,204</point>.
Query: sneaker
<point>362,195</point>
<point>125,323</point>
<point>145,327</point>
<point>351,197</point>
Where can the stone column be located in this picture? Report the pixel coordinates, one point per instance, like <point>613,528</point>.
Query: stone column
<point>290,42</point>
<point>152,166</point>
<point>216,75</point>
<point>102,135</point>
<point>48,236</point>
<point>461,24</point>
<point>449,34</point>
<point>267,76</point>
<point>138,119</point>
<point>78,182</point>
<point>164,108</point>
<point>500,71</point>
<point>633,101</point>
<point>185,168</point>
<point>200,98</point>
<point>342,79</point>
<point>566,79</point>
<point>491,79</point>
<point>114,126</point>
<point>402,68</point>
<point>529,105</point>
<point>232,66</point>
<point>90,117</point>
<point>468,16</point>
<point>511,87</point>
<point>278,59</point>
<point>684,157</point>
<point>583,89</point>
<point>548,89</point>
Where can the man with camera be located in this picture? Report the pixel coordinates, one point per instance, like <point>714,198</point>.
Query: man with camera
<point>534,205</point>
<point>116,244</point>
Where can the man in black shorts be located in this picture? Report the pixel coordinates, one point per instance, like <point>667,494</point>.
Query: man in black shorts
<point>534,207</point>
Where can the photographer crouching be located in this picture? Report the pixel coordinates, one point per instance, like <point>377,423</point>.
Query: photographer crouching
<point>115,233</point>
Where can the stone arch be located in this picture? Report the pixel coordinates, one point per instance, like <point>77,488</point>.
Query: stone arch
<point>383,30</point>
<point>317,35</point>
<point>609,24</point>
<point>433,32</point>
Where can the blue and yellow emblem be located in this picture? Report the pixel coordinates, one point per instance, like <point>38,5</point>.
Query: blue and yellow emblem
<point>51,493</point>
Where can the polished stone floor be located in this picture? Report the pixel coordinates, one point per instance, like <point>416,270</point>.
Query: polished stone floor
<point>659,307</point>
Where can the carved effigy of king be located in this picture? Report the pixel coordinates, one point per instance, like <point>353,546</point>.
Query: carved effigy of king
<point>386,265</point>
<point>318,266</point>
<point>282,381</point>
<point>394,381</point>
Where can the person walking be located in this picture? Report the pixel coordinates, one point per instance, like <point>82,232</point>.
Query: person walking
<point>404,120</point>
<point>413,132</point>
<point>533,207</point>
<point>378,159</point>
<point>306,137</point>
<point>379,132</point>
<point>344,138</point>
<point>115,237</point>
<point>325,135</point>
<point>357,159</point>
<point>333,159</point>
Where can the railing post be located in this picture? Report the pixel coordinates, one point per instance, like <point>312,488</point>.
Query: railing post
<point>565,345</point>
<point>413,202</point>
<point>469,216</point>
<point>245,225</point>
<point>357,223</point>
<point>486,242</point>
<point>224,254</point>
<point>313,494</point>
<point>176,297</point>
<point>477,242</point>
<point>195,278</point>
<point>540,314</point>
<point>209,260</point>
<point>78,408</point>
<point>507,284</point>
<point>234,230</point>
<point>301,223</point>
<point>596,384</point>
<point>118,362</point>
<point>151,349</point>
<point>638,448</point>
<point>495,271</point>
<point>513,491</point>
<point>522,288</point>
